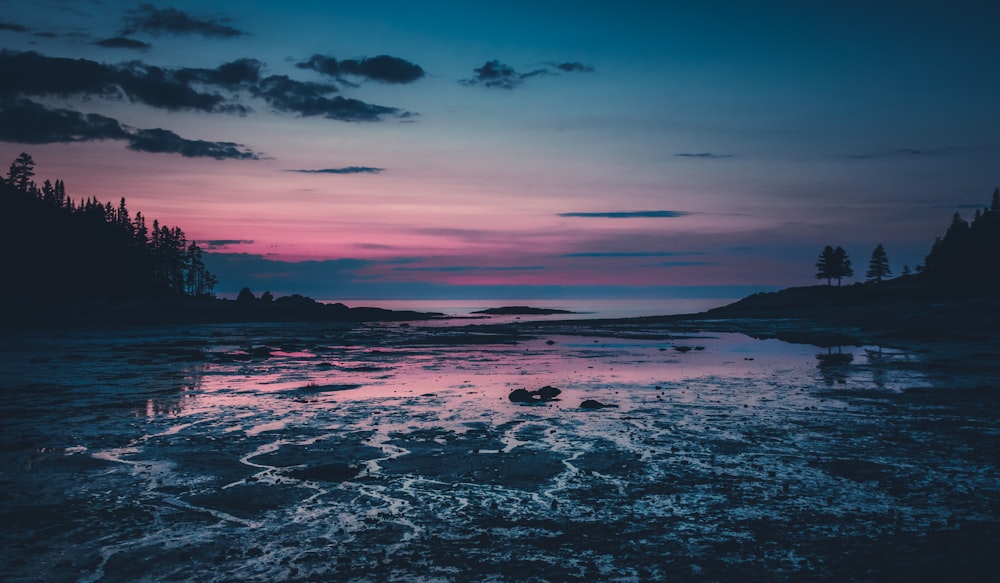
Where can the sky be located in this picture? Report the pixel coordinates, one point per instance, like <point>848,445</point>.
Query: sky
<point>413,150</point>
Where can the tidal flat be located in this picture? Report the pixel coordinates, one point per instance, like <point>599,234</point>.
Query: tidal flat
<point>391,452</point>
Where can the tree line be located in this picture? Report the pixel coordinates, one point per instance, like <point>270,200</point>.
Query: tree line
<point>968,252</point>
<point>56,247</point>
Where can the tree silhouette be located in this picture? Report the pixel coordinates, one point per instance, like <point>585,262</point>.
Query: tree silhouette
<point>825,266</point>
<point>968,252</point>
<point>878,265</point>
<point>54,246</point>
<point>20,173</point>
<point>833,263</point>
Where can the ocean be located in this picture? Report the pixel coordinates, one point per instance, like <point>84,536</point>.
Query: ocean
<point>588,308</point>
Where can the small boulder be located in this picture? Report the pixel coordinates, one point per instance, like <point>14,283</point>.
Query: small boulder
<point>542,395</point>
<point>592,404</point>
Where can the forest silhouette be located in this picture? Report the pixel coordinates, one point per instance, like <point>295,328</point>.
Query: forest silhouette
<point>57,249</point>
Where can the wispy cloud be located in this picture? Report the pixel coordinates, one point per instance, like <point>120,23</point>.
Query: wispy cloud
<point>682,263</point>
<point>574,67</point>
<point>121,42</point>
<point>344,170</point>
<point>211,244</point>
<point>627,214</point>
<point>311,100</point>
<point>904,153</point>
<point>496,75</point>
<point>27,122</point>
<point>634,254</point>
<point>384,68</point>
<point>4,25</point>
<point>185,88</point>
<point>705,155</point>
<point>470,268</point>
<point>149,19</point>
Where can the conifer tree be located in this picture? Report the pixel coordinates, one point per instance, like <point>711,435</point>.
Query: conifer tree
<point>878,265</point>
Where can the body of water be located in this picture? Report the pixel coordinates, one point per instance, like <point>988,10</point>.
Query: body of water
<point>392,452</point>
<point>588,308</point>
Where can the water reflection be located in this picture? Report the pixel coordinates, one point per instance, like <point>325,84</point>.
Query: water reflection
<point>832,365</point>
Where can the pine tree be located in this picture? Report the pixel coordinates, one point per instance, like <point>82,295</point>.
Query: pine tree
<point>825,266</point>
<point>878,265</point>
<point>842,264</point>
<point>20,173</point>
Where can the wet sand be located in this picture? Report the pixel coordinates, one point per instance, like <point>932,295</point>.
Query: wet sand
<point>301,452</point>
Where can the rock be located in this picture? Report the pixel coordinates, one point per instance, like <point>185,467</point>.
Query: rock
<point>548,392</point>
<point>542,395</point>
<point>592,404</point>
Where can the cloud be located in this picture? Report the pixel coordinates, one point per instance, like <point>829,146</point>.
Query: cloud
<point>170,89</point>
<point>628,214</point>
<point>309,99</point>
<point>682,263</point>
<point>121,42</point>
<point>575,67</point>
<point>470,268</point>
<point>634,254</point>
<point>147,18</point>
<point>344,170</point>
<point>706,155</point>
<point>904,153</point>
<point>27,122</point>
<point>167,142</point>
<point>494,74</point>
<point>384,68</point>
<point>211,244</point>
<point>12,27</point>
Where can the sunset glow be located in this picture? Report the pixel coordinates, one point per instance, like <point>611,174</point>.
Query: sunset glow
<point>450,150</point>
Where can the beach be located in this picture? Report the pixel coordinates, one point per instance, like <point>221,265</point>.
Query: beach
<point>391,452</point>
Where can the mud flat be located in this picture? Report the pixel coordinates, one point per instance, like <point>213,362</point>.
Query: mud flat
<point>309,452</point>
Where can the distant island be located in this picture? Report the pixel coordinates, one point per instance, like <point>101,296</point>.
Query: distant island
<point>522,311</point>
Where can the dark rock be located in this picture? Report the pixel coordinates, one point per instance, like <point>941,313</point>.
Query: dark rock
<point>592,404</point>
<point>548,392</point>
<point>542,395</point>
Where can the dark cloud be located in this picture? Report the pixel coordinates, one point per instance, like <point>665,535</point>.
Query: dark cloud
<point>210,90</point>
<point>162,141</point>
<point>494,74</point>
<point>211,244</point>
<point>574,67</point>
<point>309,100</point>
<point>233,76</point>
<point>12,27</point>
<point>382,68</point>
<point>706,155</point>
<point>683,263</point>
<point>470,268</point>
<point>27,122</point>
<point>344,170</point>
<point>634,254</point>
<point>147,18</point>
<point>904,153</point>
<point>629,214</point>
<point>121,42</point>
<point>170,89</point>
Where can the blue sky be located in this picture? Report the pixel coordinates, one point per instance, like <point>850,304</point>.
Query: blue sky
<point>622,148</point>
